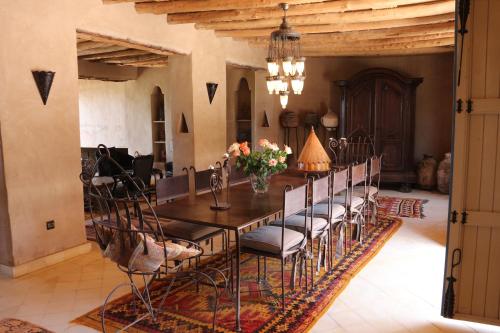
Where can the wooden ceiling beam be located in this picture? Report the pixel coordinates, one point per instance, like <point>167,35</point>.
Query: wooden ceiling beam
<point>382,45</point>
<point>406,12</point>
<point>87,45</point>
<point>132,59</point>
<point>393,52</point>
<point>114,55</point>
<point>418,31</point>
<point>361,26</point>
<point>186,6</point>
<point>339,6</point>
<point>417,40</point>
<point>105,49</point>
<point>150,63</point>
<point>126,43</point>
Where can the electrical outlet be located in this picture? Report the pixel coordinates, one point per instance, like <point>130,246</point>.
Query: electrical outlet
<point>51,224</point>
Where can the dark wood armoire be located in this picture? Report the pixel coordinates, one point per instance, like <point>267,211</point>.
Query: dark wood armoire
<point>381,103</point>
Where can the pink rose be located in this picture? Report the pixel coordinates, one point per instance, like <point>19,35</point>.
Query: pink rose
<point>282,159</point>
<point>263,142</point>
<point>236,153</point>
<point>246,151</point>
<point>273,162</point>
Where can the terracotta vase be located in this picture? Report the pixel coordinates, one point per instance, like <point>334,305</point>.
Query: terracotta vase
<point>426,172</point>
<point>444,174</point>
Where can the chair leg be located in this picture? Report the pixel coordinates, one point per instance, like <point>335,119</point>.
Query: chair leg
<point>283,284</point>
<point>320,256</point>
<point>312,264</point>
<point>294,271</point>
<point>258,269</point>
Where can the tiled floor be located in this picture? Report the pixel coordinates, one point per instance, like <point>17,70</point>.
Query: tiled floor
<point>398,291</point>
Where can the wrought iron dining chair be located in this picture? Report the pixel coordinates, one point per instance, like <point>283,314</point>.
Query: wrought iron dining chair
<point>139,247</point>
<point>373,188</point>
<point>172,188</point>
<point>202,179</point>
<point>339,193</point>
<point>356,204</point>
<point>319,223</point>
<point>280,242</point>
<point>360,147</point>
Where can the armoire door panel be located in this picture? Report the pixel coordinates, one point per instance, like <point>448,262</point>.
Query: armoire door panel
<point>393,156</point>
<point>361,102</point>
<point>381,102</point>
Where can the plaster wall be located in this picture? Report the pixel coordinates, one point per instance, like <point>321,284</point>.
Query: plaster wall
<point>433,115</point>
<point>41,144</point>
<point>233,78</point>
<point>119,113</point>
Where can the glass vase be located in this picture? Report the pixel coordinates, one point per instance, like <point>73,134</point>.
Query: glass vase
<point>260,184</point>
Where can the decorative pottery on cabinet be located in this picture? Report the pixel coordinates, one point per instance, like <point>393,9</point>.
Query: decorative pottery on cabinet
<point>443,174</point>
<point>426,172</point>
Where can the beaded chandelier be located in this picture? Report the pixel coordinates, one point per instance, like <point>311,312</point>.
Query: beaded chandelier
<point>284,62</point>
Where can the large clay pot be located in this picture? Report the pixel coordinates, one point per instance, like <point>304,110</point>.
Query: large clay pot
<point>289,119</point>
<point>426,172</point>
<point>444,174</point>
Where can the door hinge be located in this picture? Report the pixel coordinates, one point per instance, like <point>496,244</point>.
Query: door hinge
<point>469,105</point>
<point>459,105</point>
<point>464,217</point>
<point>454,215</point>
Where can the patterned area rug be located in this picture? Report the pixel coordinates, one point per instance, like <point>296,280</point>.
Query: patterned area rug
<point>401,207</point>
<point>260,304</point>
<point>10,325</point>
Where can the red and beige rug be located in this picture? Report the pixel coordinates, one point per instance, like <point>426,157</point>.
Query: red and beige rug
<point>260,310</point>
<point>10,325</point>
<point>401,207</point>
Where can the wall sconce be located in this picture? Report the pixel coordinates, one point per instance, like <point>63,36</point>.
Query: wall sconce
<point>43,80</point>
<point>211,89</point>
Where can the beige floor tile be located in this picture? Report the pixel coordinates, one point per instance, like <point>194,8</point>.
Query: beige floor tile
<point>398,291</point>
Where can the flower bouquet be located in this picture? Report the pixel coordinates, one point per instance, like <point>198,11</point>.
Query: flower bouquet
<point>259,165</point>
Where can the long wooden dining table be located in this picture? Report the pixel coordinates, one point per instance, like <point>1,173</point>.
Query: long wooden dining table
<point>247,208</point>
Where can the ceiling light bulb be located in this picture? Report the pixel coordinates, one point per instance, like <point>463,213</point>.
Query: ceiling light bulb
<point>284,99</point>
<point>300,65</point>
<point>297,84</point>
<point>270,84</point>
<point>284,85</point>
<point>271,66</point>
<point>287,66</point>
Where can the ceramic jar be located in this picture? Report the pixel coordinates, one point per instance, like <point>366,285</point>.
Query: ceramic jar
<point>426,172</point>
<point>444,174</point>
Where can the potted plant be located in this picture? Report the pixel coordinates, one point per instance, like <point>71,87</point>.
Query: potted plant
<point>259,165</point>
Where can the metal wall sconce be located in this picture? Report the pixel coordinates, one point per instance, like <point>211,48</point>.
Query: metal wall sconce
<point>211,89</point>
<point>265,120</point>
<point>43,80</point>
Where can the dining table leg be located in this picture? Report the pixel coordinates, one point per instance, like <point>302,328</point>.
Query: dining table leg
<point>237,236</point>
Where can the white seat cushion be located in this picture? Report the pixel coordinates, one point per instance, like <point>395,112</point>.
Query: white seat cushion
<point>268,239</point>
<point>296,222</point>
<point>360,191</point>
<point>321,209</point>
<point>356,201</point>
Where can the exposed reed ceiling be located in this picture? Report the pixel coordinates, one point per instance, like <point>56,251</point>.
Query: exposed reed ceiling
<point>329,28</point>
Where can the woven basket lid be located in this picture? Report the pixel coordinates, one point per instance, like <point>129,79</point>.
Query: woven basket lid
<point>313,155</point>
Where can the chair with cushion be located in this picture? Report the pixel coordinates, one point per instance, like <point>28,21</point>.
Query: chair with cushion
<point>139,247</point>
<point>172,188</point>
<point>280,242</point>
<point>339,192</point>
<point>373,187</point>
<point>356,204</point>
<point>202,179</point>
<point>318,225</point>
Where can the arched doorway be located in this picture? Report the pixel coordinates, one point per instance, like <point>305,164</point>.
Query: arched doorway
<point>158,127</point>
<point>243,112</point>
